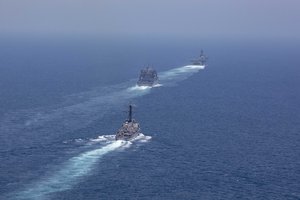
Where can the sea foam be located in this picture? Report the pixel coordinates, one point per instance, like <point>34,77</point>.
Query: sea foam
<point>69,174</point>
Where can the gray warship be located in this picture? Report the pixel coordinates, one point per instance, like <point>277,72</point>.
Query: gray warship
<point>201,60</point>
<point>148,77</point>
<point>130,128</point>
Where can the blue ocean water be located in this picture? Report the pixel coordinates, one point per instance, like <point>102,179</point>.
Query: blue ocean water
<point>229,131</point>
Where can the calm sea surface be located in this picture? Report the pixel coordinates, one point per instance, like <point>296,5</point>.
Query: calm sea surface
<point>229,131</point>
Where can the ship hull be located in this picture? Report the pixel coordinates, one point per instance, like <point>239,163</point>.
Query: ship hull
<point>128,131</point>
<point>127,137</point>
<point>149,84</point>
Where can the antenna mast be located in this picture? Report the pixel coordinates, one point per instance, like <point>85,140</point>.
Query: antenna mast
<point>130,113</point>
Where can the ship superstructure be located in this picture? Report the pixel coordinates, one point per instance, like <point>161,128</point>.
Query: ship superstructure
<point>130,128</point>
<point>201,60</point>
<point>148,77</point>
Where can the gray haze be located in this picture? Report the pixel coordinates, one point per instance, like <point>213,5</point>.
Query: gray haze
<point>171,18</point>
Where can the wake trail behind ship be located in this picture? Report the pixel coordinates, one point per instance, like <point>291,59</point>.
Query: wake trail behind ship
<point>69,174</point>
<point>76,168</point>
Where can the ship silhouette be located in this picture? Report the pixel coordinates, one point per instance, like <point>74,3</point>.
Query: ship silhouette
<point>148,77</point>
<point>201,60</point>
<point>130,128</point>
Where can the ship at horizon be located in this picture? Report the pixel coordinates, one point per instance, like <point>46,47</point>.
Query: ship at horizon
<point>201,61</point>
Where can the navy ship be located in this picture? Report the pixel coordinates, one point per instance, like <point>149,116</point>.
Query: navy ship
<point>201,60</point>
<point>130,128</point>
<point>148,77</point>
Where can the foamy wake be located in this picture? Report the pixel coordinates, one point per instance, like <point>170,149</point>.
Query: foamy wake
<point>180,73</point>
<point>171,76</point>
<point>111,138</point>
<point>143,88</point>
<point>75,168</point>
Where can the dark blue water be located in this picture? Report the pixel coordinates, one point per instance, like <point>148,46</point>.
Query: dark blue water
<point>229,131</point>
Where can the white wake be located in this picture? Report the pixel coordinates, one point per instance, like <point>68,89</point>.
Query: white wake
<point>70,173</point>
<point>176,75</point>
<point>75,168</point>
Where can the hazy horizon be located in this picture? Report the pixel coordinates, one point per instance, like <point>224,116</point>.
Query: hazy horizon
<point>185,19</point>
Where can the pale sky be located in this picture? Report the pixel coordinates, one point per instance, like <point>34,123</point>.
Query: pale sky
<point>168,18</point>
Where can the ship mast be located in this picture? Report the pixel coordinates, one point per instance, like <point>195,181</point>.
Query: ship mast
<point>130,114</point>
<point>202,58</point>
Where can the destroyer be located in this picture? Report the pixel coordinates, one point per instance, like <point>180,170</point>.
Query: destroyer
<point>148,77</point>
<point>130,128</point>
<point>201,60</point>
